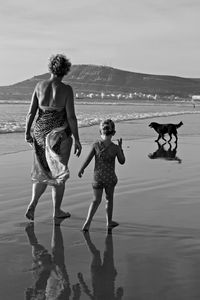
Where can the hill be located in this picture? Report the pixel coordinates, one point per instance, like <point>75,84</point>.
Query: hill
<point>92,79</point>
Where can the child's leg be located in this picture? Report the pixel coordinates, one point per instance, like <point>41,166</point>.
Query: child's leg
<point>109,206</point>
<point>93,207</point>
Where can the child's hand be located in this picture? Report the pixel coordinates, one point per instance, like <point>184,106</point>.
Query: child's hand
<point>120,142</point>
<point>80,173</point>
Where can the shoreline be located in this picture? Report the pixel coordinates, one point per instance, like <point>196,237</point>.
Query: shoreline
<point>87,101</point>
<point>131,123</point>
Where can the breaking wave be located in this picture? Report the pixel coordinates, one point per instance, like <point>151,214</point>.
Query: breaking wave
<point>87,120</point>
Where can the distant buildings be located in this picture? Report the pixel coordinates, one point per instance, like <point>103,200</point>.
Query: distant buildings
<point>196,97</point>
<point>121,96</point>
<point>115,96</point>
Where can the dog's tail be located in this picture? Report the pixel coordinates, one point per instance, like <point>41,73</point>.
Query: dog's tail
<point>179,124</point>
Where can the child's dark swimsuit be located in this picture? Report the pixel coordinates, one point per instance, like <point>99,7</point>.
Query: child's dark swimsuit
<point>104,170</point>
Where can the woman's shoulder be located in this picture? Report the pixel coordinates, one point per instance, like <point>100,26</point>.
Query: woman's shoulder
<point>67,87</point>
<point>44,83</point>
<point>41,84</point>
<point>67,90</point>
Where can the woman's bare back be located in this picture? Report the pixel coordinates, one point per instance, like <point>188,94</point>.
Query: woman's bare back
<point>52,94</point>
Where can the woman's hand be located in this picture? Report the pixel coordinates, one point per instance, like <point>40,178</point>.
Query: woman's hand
<point>77,148</point>
<point>29,138</point>
<point>80,173</point>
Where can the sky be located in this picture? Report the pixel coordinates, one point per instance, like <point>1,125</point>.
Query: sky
<point>146,36</point>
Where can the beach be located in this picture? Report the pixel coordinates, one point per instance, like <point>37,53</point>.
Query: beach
<point>152,254</point>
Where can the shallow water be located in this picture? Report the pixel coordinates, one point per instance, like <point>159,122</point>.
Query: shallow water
<point>12,121</point>
<point>12,116</point>
<point>137,262</point>
<point>153,254</point>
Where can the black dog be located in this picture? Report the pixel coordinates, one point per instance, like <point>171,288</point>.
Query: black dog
<point>162,129</point>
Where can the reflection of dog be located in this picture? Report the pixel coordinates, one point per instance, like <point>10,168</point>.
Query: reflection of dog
<point>169,154</point>
<point>162,129</point>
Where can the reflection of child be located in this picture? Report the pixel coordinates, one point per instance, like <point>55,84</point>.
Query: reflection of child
<point>103,272</point>
<point>105,152</point>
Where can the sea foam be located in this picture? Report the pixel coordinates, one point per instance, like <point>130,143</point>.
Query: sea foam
<point>88,119</point>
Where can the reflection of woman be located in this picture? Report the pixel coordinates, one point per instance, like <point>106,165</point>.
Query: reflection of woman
<point>53,102</point>
<point>103,273</point>
<point>51,280</point>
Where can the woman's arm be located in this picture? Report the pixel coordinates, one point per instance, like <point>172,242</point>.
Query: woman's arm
<point>120,153</point>
<point>71,117</point>
<point>87,161</point>
<point>30,117</point>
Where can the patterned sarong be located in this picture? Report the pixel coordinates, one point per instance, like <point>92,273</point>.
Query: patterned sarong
<point>52,146</point>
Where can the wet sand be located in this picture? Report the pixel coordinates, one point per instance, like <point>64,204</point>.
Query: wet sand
<point>153,254</point>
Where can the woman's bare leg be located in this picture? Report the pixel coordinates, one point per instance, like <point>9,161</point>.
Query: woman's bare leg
<point>57,197</point>
<point>92,208</point>
<point>38,189</point>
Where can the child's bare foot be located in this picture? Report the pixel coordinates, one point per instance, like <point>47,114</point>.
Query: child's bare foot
<point>30,213</point>
<point>112,224</point>
<point>61,214</point>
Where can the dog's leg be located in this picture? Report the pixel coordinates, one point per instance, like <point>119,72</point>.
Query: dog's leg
<point>159,136</point>
<point>159,145</point>
<point>176,137</point>
<point>170,138</point>
<point>163,138</point>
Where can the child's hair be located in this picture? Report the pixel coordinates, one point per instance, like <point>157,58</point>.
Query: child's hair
<point>107,127</point>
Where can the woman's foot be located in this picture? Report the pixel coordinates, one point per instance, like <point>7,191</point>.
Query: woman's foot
<point>30,213</point>
<point>57,221</point>
<point>85,227</point>
<point>112,224</point>
<point>61,214</point>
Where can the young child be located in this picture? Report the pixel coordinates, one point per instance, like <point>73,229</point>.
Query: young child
<point>105,152</point>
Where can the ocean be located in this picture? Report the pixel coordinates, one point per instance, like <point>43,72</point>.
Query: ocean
<point>12,120</point>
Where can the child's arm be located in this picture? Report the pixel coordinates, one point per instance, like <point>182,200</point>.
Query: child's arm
<point>87,161</point>
<point>120,153</point>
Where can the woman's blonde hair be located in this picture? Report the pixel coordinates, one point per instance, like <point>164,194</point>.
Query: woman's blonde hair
<point>59,65</point>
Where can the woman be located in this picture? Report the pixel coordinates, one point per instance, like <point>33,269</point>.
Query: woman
<point>53,101</point>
